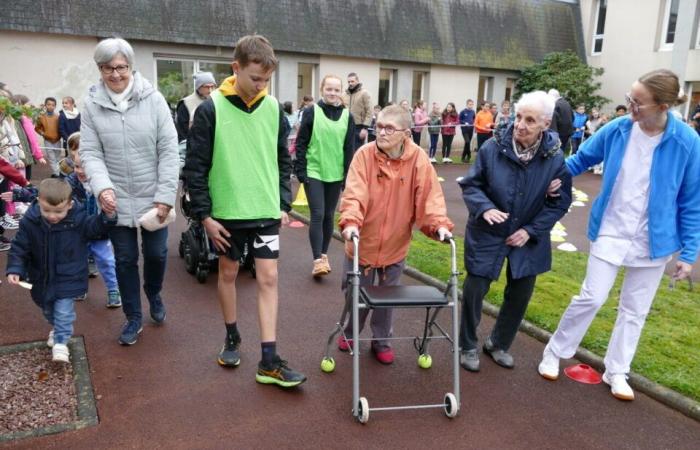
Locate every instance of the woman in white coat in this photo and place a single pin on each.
(128, 147)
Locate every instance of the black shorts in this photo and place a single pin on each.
(263, 242)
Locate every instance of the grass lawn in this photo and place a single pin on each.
(668, 351)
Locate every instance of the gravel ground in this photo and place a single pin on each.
(34, 391)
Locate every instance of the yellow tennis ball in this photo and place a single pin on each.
(328, 365)
(425, 361)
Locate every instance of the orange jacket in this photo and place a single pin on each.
(483, 122)
(383, 198)
(47, 126)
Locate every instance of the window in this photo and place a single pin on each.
(599, 27)
(669, 25)
(485, 89)
(419, 83)
(174, 76)
(386, 87)
(306, 81)
(510, 87)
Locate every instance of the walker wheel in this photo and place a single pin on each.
(451, 406)
(328, 364)
(363, 410)
(202, 275)
(425, 361)
(181, 248)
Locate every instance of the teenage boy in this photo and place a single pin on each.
(47, 127)
(237, 172)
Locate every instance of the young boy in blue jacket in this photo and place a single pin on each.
(580, 119)
(50, 252)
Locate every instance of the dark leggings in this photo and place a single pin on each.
(447, 145)
(416, 136)
(481, 138)
(323, 199)
(4, 187)
(467, 133)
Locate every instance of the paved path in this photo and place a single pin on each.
(168, 392)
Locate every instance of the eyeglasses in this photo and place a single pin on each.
(389, 130)
(633, 103)
(108, 70)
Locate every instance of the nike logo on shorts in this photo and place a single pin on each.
(270, 241)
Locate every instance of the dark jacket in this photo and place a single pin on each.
(306, 131)
(182, 121)
(200, 148)
(563, 119)
(54, 257)
(67, 126)
(500, 180)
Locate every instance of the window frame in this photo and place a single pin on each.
(597, 36)
(663, 45)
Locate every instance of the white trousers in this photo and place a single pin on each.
(54, 153)
(638, 290)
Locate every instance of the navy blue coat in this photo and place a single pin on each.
(67, 126)
(500, 180)
(53, 257)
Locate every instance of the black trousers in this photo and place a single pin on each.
(467, 134)
(447, 145)
(481, 138)
(516, 297)
(358, 142)
(323, 199)
(417, 136)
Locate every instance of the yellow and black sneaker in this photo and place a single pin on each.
(229, 356)
(278, 373)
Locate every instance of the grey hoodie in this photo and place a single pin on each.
(134, 153)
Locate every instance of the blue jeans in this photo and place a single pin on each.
(61, 315)
(104, 259)
(433, 145)
(126, 252)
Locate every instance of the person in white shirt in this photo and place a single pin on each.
(648, 209)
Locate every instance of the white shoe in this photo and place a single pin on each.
(8, 222)
(447, 160)
(618, 386)
(549, 367)
(433, 160)
(60, 353)
(49, 341)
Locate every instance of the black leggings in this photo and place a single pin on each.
(323, 199)
(481, 138)
(467, 133)
(447, 145)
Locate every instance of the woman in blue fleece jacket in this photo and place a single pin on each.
(648, 209)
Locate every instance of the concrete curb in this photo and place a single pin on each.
(668, 397)
(86, 408)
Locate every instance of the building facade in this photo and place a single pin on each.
(435, 50)
(628, 38)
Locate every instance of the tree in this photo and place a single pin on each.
(565, 72)
(173, 87)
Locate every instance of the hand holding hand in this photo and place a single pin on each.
(217, 233)
(108, 201)
(553, 189)
(518, 239)
(348, 232)
(493, 215)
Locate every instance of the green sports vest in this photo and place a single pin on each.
(244, 175)
(325, 157)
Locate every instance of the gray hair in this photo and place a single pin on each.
(538, 100)
(107, 49)
(554, 93)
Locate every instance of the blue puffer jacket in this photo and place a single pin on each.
(674, 191)
(54, 257)
(500, 180)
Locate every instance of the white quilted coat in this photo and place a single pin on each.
(134, 153)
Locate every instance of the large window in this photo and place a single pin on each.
(485, 89)
(386, 87)
(668, 34)
(419, 84)
(599, 29)
(174, 76)
(510, 88)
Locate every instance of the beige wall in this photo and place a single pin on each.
(630, 45)
(452, 84)
(42, 65)
(367, 70)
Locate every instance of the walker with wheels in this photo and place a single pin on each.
(428, 297)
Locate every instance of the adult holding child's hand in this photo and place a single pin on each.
(129, 152)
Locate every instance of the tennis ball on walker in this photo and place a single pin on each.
(328, 365)
(425, 361)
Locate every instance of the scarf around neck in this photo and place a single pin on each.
(71, 114)
(526, 154)
(121, 100)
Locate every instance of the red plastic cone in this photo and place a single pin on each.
(583, 373)
(296, 224)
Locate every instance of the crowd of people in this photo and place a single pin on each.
(121, 177)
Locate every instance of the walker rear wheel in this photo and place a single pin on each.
(363, 410)
(451, 406)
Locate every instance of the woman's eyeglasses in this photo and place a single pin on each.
(108, 70)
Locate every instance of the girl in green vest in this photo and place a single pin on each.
(324, 151)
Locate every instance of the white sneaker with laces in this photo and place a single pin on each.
(49, 341)
(549, 366)
(60, 353)
(618, 386)
(9, 223)
(446, 160)
(433, 160)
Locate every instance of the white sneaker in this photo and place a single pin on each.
(433, 160)
(447, 160)
(60, 353)
(549, 367)
(8, 222)
(49, 341)
(618, 386)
